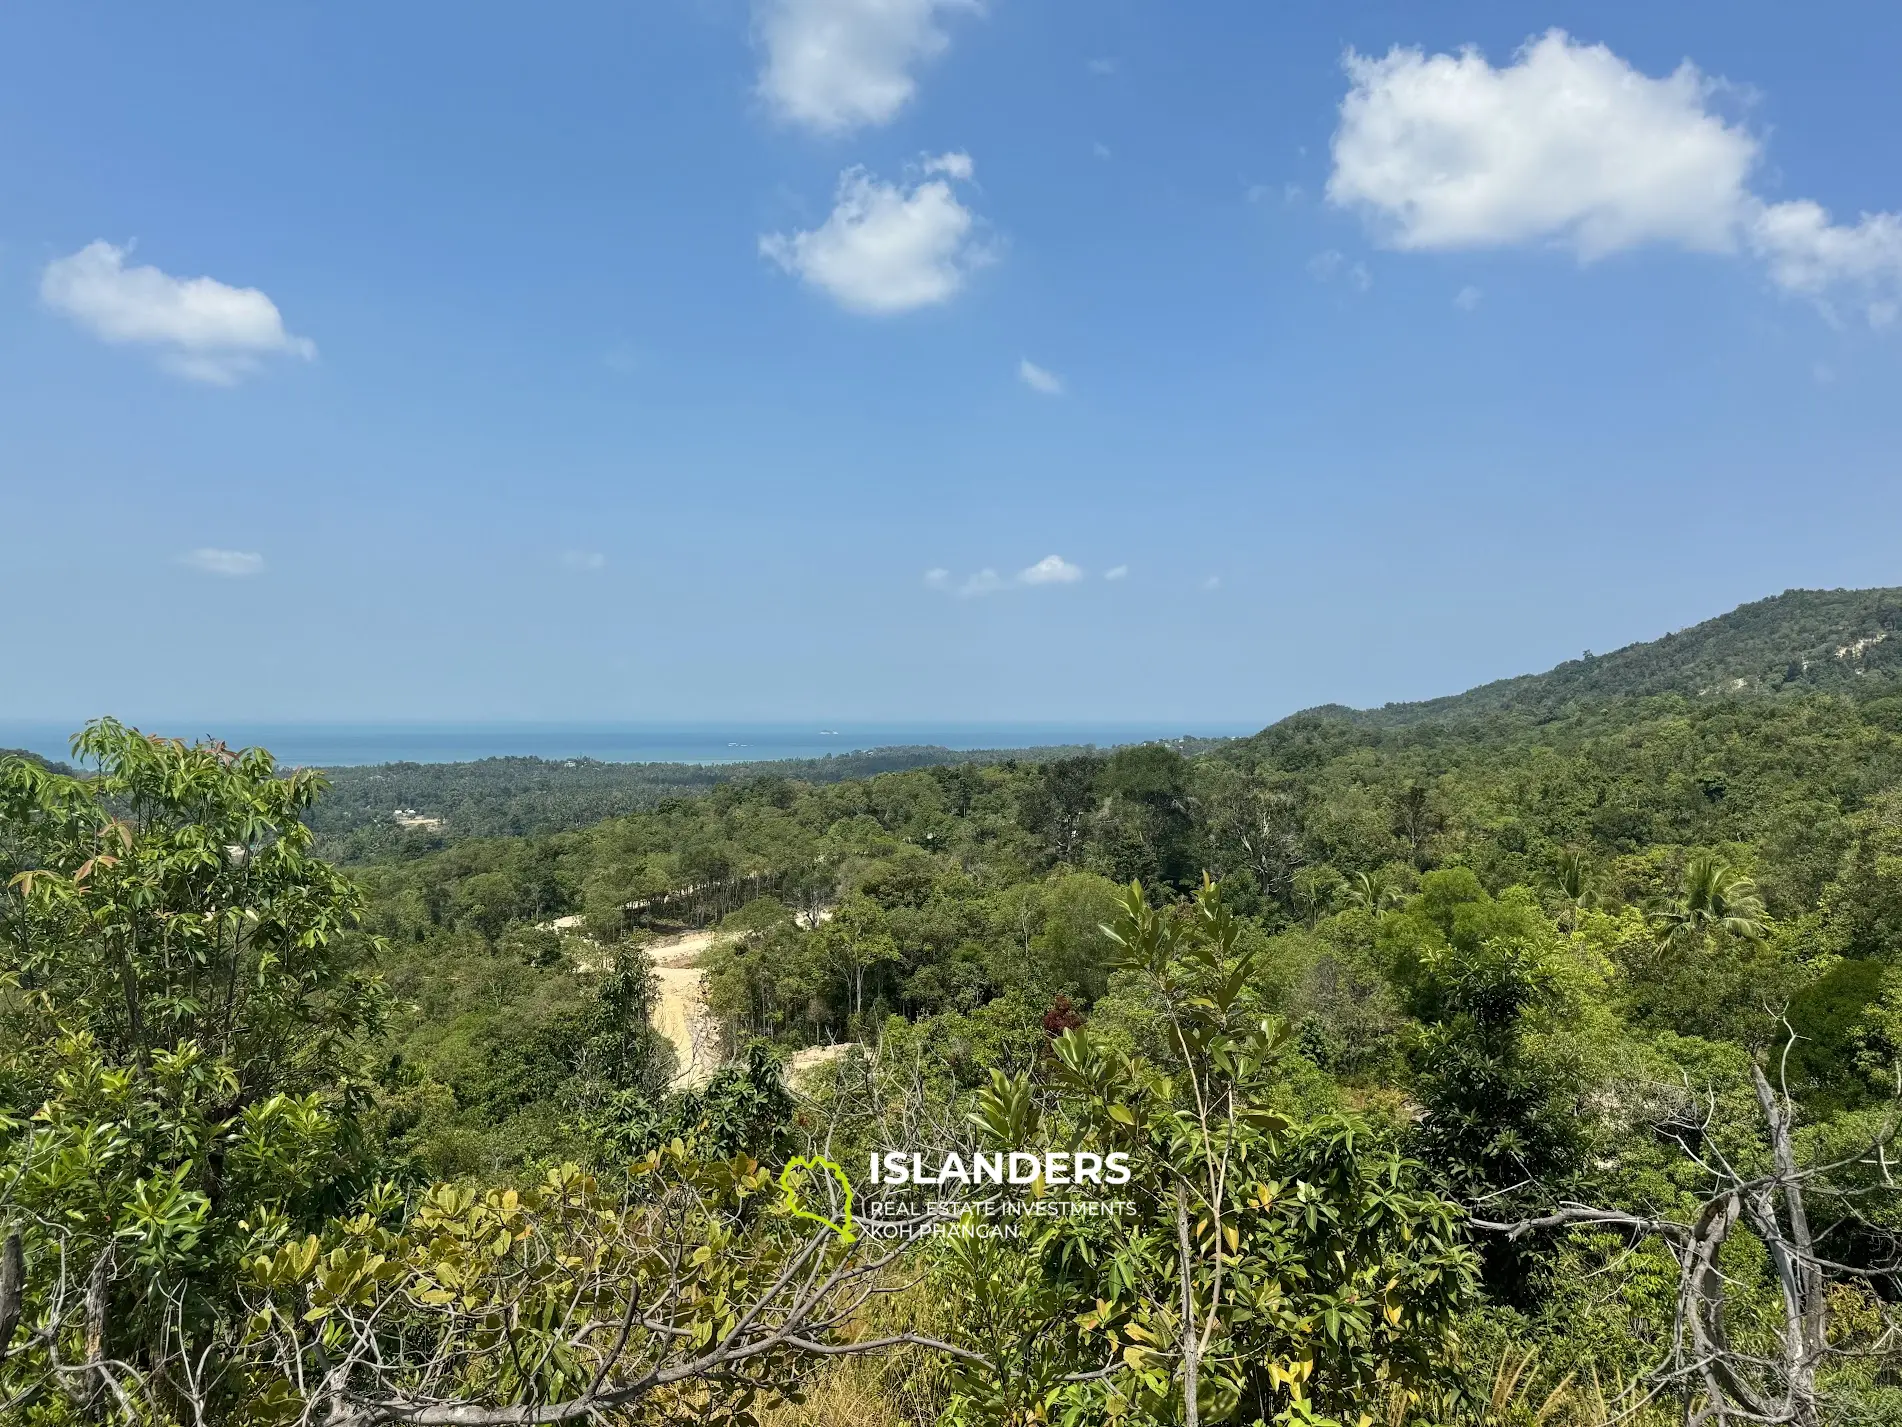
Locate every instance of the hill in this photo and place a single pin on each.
(515, 797)
(32, 757)
(1801, 641)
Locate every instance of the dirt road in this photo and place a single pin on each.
(681, 1013)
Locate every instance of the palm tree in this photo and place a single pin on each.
(1576, 880)
(1372, 892)
(1714, 897)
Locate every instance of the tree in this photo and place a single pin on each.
(1265, 825)
(1714, 897)
(1475, 970)
(182, 1006)
(1575, 879)
(1152, 828)
(1058, 803)
(1417, 822)
(854, 941)
(1280, 1269)
(1789, 1207)
(691, 1293)
(1372, 892)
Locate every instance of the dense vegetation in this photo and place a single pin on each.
(1801, 641)
(516, 797)
(1535, 1063)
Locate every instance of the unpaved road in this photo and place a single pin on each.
(681, 1013)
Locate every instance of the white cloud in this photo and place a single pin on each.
(952, 165)
(837, 65)
(888, 247)
(583, 560)
(1808, 254)
(231, 563)
(1568, 144)
(1116, 572)
(1051, 570)
(203, 328)
(1104, 66)
(1572, 146)
(1467, 298)
(1100, 149)
(1037, 379)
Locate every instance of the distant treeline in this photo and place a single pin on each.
(520, 797)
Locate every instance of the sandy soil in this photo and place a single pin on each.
(814, 1056)
(681, 1013)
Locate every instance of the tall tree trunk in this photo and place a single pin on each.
(12, 1289)
(1804, 1290)
(1191, 1344)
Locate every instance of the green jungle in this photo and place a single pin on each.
(1528, 1056)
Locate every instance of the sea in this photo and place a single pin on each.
(336, 745)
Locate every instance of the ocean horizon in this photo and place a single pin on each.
(336, 745)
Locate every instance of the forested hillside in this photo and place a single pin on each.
(1800, 641)
(1532, 1064)
(515, 797)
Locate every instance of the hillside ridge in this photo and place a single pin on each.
(1807, 641)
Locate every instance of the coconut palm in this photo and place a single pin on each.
(1714, 897)
(1372, 892)
(1576, 880)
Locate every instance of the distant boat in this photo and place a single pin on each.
(828, 733)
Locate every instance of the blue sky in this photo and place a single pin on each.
(821, 358)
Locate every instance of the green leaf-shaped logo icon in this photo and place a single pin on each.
(792, 1180)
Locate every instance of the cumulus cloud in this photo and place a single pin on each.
(204, 329)
(888, 247)
(234, 564)
(1037, 379)
(1807, 253)
(1567, 144)
(583, 560)
(1051, 570)
(952, 165)
(1467, 298)
(1116, 572)
(838, 65)
(1570, 145)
